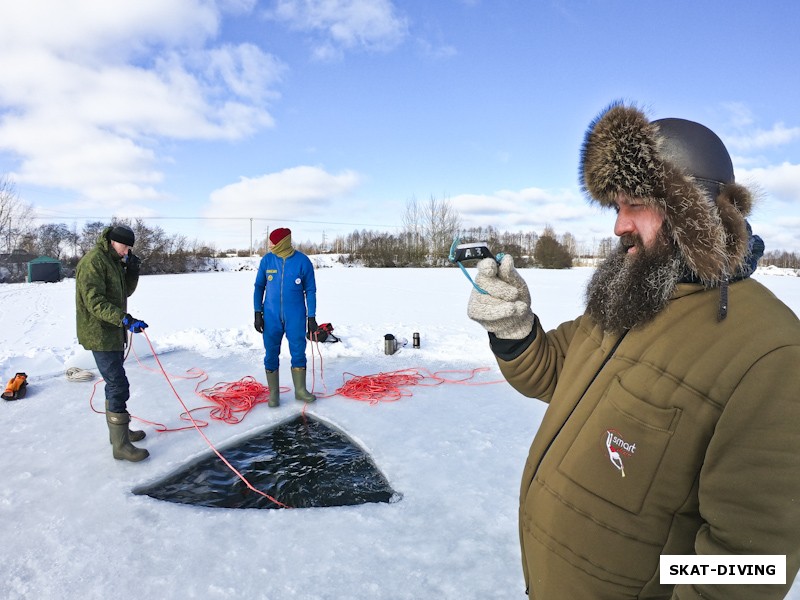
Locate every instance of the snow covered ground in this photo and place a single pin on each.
(71, 528)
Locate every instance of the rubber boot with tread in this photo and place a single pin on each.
(299, 381)
(134, 435)
(120, 440)
(273, 383)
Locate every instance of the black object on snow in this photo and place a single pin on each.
(301, 462)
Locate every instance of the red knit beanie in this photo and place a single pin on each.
(277, 235)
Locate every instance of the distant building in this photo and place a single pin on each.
(19, 266)
(44, 268)
(14, 266)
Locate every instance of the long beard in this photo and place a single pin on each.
(631, 289)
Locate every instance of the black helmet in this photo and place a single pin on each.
(697, 151)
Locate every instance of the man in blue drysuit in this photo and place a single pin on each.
(285, 303)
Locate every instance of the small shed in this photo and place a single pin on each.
(14, 266)
(44, 268)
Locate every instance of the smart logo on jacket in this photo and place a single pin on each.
(617, 447)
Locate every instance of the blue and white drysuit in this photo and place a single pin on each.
(286, 291)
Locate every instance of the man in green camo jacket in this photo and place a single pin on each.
(104, 279)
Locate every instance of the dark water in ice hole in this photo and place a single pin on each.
(300, 462)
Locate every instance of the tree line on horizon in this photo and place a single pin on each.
(428, 232)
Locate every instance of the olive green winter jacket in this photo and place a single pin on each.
(680, 437)
(102, 287)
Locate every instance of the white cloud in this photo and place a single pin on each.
(749, 137)
(298, 193)
(92, 89)
(438, 51)
(245, 70)
(526, 207)
(105, 29)
(532, 209)
(778, 234)
(781, 182)
(740, 114)
(778, 135)
(340, 25)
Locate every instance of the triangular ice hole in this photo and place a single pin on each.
(301, 462)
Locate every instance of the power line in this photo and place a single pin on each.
(270, 219)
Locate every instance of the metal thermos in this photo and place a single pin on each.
(389, 344)
(416, 340)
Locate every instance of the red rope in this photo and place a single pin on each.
(383, 387)
(229, 399)
(390, 387)
(200, 431)
(315, 351)
(230, 402)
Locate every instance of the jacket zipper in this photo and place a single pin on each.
(600, 368)
(280, 294)
(546, 450)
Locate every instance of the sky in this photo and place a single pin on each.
(72, 528)
(223, 120)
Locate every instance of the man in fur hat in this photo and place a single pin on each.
(285, 302)
(673, 400)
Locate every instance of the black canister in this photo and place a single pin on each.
(416, 340)
(389, 344)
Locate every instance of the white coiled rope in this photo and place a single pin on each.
(78, 374)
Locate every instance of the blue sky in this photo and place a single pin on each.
(329, 116)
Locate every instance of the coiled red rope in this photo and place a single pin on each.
(232, 401)
(393, 386)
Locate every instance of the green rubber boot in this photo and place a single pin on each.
(120, 440)
(273, 383)
(133, 435)
(299, 381)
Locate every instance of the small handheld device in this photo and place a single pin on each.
(471, 251)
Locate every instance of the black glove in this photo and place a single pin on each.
(133, 324)
(259, 322)
(312, 328)
(133, 263)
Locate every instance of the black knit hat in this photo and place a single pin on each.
(683, 169)
(122, 234)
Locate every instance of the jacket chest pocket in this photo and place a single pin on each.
(617, 453)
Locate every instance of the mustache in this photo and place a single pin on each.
(629, 240)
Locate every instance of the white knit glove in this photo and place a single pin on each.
(505, 310)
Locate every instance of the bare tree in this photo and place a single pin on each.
(413, 232)
(16, 216)
(53, 239)
(441, 223)
(570, 243)
(781, 258)
(606, 247)
(89, 234)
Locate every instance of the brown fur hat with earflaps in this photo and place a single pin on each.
(683, 169)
